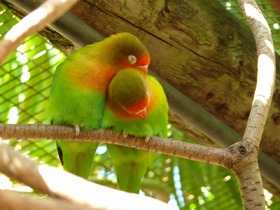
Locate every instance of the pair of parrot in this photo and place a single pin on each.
(105, 85)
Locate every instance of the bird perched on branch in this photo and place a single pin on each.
(79, 89)
(136, 104)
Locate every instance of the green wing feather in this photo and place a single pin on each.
(130, 165)
(69, 105)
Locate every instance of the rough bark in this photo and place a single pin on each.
(247, 169)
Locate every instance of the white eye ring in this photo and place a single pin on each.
(132, 59)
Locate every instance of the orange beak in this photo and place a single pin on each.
(144, 69)
(143, 63)
(142, 114)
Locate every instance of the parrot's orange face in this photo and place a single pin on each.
(131, 56)
(140, 62)
(129, 95)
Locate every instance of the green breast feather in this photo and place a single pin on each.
(69, 105)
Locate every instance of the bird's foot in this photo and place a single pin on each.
(77, 130)
(124, 134)
(147, 139)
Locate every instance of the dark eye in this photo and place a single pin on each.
(132, 59)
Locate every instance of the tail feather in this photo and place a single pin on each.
(130, 175)
(130, 166)
(77, 157)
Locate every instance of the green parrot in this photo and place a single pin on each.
(79, 89)
(136, 104)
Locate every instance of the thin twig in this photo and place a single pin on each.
(48, 12)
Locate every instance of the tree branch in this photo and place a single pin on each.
(48, 12)
(266, 71)
(61, 184)
(14, 201)
(165, 146)
(246, 166)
